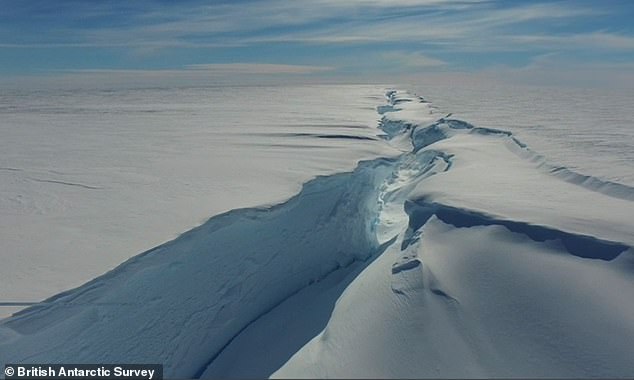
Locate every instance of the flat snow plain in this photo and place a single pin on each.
(91, 178)
(439, 249)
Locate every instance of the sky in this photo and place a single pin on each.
(194, 41)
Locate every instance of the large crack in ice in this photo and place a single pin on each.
(183, 302)
(480, 294)
(187, 302)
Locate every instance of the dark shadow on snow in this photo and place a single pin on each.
(587, 247)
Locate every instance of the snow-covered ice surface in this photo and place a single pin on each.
(589, 130)
(503, 269)
(91, 178)
(459, 252)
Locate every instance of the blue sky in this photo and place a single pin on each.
(356, 40)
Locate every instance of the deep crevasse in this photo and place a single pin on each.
(355, 276)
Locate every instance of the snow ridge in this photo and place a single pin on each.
(423, 135)
(397, 119)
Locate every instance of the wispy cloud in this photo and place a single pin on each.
(596, 40)
(328, 36)
(319, 21)
(480, 24)
(412, 59)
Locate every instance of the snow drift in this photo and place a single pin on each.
(465, 256)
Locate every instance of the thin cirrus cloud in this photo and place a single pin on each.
(312, 22)
(304, 37)
(598, 40)
(412, 59)
(459, 29)
(320, 21)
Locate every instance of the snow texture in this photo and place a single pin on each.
(89, 179)
(465, 255)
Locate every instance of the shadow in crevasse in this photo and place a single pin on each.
(268, 342)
